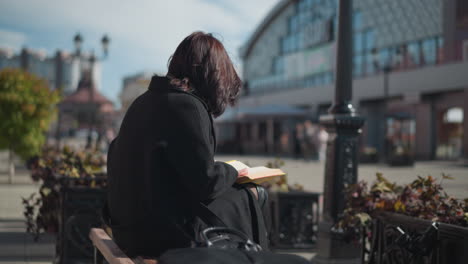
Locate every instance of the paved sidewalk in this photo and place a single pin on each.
(310, 174)
(16, 246)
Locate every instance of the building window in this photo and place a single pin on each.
(369, 40)
(319, 80)
(363, 45)
(293, 25)
(370, 63)
(357, 67)
(414, 53)
(293, 42)
(328, 78)
(357, 20)
(429, 51)
(440, 49)
(358, 43)
(302, 5)
(284, 45)
(384, 58)
(278, 66)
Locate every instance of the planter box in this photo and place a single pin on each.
(451, 247)
(80, 211)
(368, 158)
(401, 160)
(295, 217)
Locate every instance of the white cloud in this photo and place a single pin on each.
(12, 40)
(144, 33)
(155, 27)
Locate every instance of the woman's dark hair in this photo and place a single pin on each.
(201, 65)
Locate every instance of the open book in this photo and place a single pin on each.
(256, 174)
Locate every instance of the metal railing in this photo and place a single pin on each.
(395, 238)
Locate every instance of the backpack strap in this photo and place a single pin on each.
(208, 216)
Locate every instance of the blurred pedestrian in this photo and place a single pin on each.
(310, 132)
(284, 143)
(299, 141)
(323, 139)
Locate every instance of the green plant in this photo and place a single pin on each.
(58, 169)
(423, 198)
(27, 106)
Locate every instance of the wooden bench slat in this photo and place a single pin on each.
(111, 251)
(140, 260)
(108, 248)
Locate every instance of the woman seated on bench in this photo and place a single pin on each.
(161, 164)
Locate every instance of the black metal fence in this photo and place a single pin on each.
(295, 218)
(81, 206)
(449, 245)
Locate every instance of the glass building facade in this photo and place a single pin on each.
(409, 59)
(397, 34)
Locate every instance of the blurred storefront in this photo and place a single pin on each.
(410, 60)
(266, 129)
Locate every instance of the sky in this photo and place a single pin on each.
(144, 33)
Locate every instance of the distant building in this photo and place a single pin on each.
(133, 86)
(410, 74)
(86, 109)
(61, 70)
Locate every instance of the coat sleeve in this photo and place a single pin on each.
(190, 152)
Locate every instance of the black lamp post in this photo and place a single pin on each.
(343, 125)
(78, 40)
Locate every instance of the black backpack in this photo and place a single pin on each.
(220, 244)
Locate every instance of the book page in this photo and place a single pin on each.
(238, 165)
(259, 172)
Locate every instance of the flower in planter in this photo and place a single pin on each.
(423, 198)
(54, 169)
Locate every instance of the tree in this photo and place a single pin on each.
(27, 106)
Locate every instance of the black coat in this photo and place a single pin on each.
(161, 161)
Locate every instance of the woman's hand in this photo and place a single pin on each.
(243, 172)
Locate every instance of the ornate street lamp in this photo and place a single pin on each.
(105, 41)
(105, 44)
(343, 125)
(78, 40)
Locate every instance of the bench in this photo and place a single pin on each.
(105, 248)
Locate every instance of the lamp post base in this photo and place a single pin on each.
(334, 249)
(340, 171)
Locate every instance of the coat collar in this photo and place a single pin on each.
(162, 84)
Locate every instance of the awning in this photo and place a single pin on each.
(264, 111)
